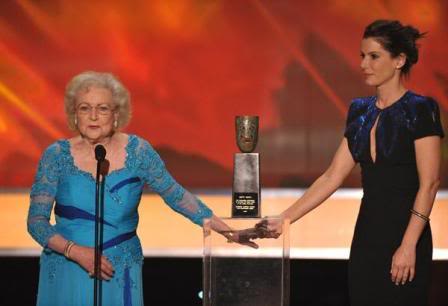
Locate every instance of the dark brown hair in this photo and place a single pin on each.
(396, 39)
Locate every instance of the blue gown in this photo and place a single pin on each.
(71, 191)
(390, 185)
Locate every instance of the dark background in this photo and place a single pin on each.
(177, 281)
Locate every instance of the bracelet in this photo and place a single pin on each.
(422, 216)
(230, 235)
(67, 248)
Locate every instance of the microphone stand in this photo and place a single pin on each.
(100, 154)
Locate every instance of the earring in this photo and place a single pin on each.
(116, 123)
(76, 121)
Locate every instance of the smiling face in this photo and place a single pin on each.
(95, 113)
(378, 65)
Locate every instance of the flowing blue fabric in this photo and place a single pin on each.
(64, 282)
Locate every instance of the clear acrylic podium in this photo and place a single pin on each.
(238, 275)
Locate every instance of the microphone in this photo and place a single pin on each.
(100, 156)
(100, 153)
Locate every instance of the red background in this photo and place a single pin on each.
(192, 66)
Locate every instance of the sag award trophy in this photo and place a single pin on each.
(236, 274)
(246, 170)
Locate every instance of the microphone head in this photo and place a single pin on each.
(100, 153)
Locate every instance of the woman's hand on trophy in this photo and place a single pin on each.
(243, 237)
(270, 227)
(85, 256)
(219, 226)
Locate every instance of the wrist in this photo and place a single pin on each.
(68, 246)
(230, 235)
(409, 243)
(284, 215)
(73, 252)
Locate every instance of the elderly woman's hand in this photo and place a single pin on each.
(85, 257)
(242, 237)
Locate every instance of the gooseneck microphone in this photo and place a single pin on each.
(100, 156)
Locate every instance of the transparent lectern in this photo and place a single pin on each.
(238, 275)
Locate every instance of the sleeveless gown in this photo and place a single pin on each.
(390, 184)
(71, 191)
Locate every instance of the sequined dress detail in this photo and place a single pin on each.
(60, 185)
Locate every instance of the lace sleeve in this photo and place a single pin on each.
(158, 178)
(42, 196)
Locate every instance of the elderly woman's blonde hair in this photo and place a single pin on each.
(88, 79)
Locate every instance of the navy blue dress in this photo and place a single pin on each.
(390, 184)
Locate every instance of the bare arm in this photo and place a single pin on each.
(57, 243)
(325, 185)
(427, 152)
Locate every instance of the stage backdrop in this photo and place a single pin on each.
(192, 66)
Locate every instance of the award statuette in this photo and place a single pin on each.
(246, 170)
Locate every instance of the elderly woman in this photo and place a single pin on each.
(98, 106)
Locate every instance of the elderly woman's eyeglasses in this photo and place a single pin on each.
(101, 109)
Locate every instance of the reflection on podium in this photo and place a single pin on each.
(237, 275)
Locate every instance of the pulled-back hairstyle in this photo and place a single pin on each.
(397, 39)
